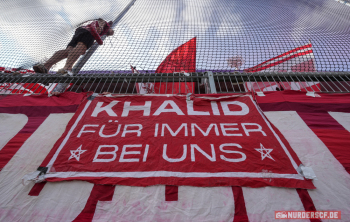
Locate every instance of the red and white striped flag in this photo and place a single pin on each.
(300, 59)
(19, 88)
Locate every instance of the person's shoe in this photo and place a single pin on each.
(63, 72)
(40, 68)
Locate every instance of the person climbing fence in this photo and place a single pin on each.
(84, 37)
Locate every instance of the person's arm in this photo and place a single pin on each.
(101, 23)
(95, 34)
(107, 29)
(110, 32)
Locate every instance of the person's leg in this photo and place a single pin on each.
(57, 56)
(74, 54)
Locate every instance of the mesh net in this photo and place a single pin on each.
(250, 35)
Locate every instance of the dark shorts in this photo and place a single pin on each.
(82, 35)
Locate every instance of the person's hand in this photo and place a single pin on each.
(110, 32)
(99, 30)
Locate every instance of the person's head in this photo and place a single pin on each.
(110, 32)
(100, 20)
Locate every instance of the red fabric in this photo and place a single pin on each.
(98, 193)
(284, 63)
(22, 88)
(182, 59)
(92, 27)
(36, 189)
(307, 202)
(279, 62)
(37, 108)
(332, 134)
(11, 148)
(149, 156)
(240, 209)
(284, 54)
(307, 66)
(320, 121)
(314, 112)
(53, 150)
(64, 99)
(32, 87)
(342, 100)
(174, 88)
(287, 56)
(171, 193)
(280, 86)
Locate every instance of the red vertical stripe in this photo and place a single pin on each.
(36, 189)
(307, 202)
(331, 133)
(99, 192)
(11, 148)
(174, 88)
(171, 193)
(240, 210)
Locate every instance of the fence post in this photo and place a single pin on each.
(211, 82)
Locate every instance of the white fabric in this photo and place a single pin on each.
(261, 203)
(10, 125)
(148, 204)
(342, 118)
(57, 201)
(333, 185)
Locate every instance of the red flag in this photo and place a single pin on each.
(19, 88)
(182, 59)
(300, 59)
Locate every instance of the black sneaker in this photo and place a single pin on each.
(40, 68)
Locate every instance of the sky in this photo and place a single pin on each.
(31, 31)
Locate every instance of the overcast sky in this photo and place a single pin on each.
(256, 30)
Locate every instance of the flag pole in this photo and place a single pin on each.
(77, 67)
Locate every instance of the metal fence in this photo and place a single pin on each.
(173, 83)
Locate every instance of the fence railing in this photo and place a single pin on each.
(174, 83)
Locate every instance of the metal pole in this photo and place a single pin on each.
(211, 82)
(93, 48)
